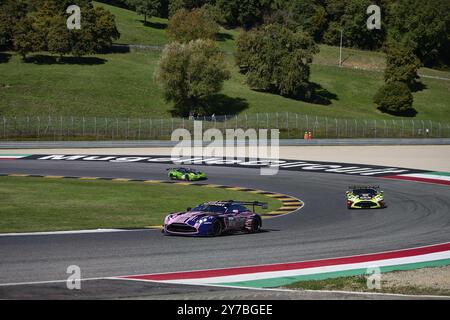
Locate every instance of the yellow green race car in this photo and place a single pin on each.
(365, 197)
(185, 174)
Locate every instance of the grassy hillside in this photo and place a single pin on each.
(121, 85)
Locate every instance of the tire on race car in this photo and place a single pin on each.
(255, 225)
(217, 228)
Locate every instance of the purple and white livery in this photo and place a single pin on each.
(215, 218)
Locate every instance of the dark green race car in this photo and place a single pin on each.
(185, 174)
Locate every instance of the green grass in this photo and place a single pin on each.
(121, 84)
(39, 204)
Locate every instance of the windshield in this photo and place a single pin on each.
(370, 192)
(210, 208)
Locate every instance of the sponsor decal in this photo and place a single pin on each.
(292, 165)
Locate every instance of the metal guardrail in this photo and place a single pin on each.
(169, 144)
(290, 125)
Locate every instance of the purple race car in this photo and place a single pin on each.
(215, 218)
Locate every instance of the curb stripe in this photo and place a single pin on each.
(415, 179)
(281, 281)
(294, 265)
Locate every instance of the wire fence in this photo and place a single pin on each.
(290, 125)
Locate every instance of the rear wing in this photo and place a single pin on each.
(254, 204)
(363, 187)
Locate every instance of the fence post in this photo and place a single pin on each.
(150, 128)
(106, 127)
(139, 129)
(403, 129)
(83, 127)
(337, 130)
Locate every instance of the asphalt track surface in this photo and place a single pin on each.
(418, 214)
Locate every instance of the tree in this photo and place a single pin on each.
(59, 39)
(350, 16)
(303, 15)
(394, 97)
(401, 65)
(147, 8)
(244, 13)
(186, 25)
(25, 37)
(190, 73)
(11, 11)
(105, 29)
(422, 25)
(175, 5)
(275, 58)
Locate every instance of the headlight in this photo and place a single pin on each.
(203, 220)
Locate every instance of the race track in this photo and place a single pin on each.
(418, 214)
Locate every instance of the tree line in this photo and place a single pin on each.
(28, 26)
(421, 25)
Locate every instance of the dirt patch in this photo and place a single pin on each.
(424, 279)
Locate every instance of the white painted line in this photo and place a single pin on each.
(45, 282)
(427, 176)
(18, 234)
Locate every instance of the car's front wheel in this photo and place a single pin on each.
(256, 225)
(217, 228)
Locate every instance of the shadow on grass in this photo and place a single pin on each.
(418, 86)
(221, 104)
(119, 48)
(410, 113)
(5, 57)
(218, 105)
(154, 25)
(46, 59)
(314, 94)
(224, 36)
(320, 95)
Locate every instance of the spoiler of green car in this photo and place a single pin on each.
(364, 187)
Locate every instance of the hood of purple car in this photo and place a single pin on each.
(189, 217)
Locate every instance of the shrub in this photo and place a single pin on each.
(394, 97)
